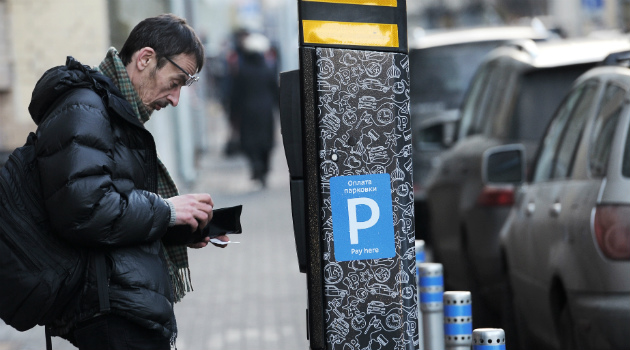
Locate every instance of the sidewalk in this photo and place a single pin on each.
(250, 295)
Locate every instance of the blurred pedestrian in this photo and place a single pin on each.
(108, 193)
(233, 61)
(253, 102)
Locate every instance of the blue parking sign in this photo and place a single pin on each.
(362, 220)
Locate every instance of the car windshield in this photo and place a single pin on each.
(440, 75)
(540, 94)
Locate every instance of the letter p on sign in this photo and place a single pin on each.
(362, 218)
(355, 225)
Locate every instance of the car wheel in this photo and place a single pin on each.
(525, 339)
(566, 329)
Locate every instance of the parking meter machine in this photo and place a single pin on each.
(347, 138)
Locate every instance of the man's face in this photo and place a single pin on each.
(158, 88)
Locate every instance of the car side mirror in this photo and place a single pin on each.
(437, 136)
(504, 165)
(448, 134)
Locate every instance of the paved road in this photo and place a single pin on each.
(248, 296)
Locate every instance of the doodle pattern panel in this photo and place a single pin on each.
(367, 217)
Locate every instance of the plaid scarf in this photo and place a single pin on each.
(176, 256)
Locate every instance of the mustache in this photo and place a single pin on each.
(162, 104)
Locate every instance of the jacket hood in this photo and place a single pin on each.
(59, 80)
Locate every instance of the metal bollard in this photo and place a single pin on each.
(488, 339)
(457, 320)
(420, 258)
(420, 254)
(431, 304)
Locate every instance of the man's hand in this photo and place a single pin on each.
(207, 240)
(194, 210)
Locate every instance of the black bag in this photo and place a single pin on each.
(40, 275)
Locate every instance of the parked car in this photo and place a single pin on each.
(567, 239)
(510, 100)
(442, 63)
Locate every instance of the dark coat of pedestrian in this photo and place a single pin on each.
(253, 100)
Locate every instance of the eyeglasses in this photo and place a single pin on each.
(191, 78)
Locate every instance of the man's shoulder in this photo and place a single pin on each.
(71, 83)
(83, 96)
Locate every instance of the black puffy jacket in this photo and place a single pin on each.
(98, 167)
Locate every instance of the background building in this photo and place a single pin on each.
(34, 36)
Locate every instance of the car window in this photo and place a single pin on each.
(604, 128)
(541, 92)
(501, 88)
(572, 135)
(441, 74)
(487, 96)
(546, 162)
(472, 102)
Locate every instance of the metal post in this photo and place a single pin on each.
(488, 339)
(457, 320)
(183, 122)
(432, 305)
(420, 254)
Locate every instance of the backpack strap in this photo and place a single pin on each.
(101, 281)
(48, 338)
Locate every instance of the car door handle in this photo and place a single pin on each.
(555, 209)
(530, 208)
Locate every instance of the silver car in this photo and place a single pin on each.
(566, 241)
(511, 100)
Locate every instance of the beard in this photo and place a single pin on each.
(150, 104)
(145, 89)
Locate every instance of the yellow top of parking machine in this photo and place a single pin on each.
(379, 25)
(361, 2)
(349, 33)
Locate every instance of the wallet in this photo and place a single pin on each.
(224, 221)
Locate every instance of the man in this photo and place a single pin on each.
(107, 192)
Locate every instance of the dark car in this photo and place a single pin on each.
(567, 239)
(511, 100)
(442, 63)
